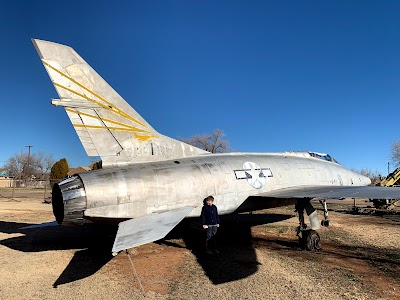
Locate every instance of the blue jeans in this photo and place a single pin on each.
(211, 239)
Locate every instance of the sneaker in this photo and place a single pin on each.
(216, 251)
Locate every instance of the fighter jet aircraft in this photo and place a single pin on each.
(150, 182)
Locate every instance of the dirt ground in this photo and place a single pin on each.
(259, 259)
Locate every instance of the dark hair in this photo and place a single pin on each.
(208, 198)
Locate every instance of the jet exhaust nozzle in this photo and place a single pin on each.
(69, 201)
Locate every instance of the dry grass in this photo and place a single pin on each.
(259, 259)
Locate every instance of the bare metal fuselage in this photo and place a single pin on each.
(150, 182)
(137, 190)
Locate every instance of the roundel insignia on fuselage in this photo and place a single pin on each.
(254, 174)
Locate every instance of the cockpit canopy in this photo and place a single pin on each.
(323, 156)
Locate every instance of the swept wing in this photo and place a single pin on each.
(335, 192)
(136, 232)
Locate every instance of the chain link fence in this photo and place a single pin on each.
(23, 189)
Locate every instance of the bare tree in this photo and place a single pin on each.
(16, 165)
(211, 142)
(39, 165)
(396, 153)
(42, 164)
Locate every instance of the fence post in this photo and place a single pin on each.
(12, 196)
(45, 190)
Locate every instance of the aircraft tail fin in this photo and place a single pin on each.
(105, 123)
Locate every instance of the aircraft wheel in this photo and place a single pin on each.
(325, 223)
(311, 240)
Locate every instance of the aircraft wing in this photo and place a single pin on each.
(139, 231)
(336, 192)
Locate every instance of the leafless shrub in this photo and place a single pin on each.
(37, 165)
(374, 176)
(211, 142)
(396, 153)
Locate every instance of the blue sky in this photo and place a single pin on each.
(273, 75)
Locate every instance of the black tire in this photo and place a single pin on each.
(325, 223)
(312, 241)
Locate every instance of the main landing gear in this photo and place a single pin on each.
(309, 238)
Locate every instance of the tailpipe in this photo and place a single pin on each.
(69, 201)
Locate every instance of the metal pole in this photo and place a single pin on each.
(29, 154)
(20, 168)
(136, 274)
(12, 196)
(388, 168)
(45, 190)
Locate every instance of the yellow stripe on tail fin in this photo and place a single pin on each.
(105, 123)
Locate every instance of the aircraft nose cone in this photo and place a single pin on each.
(366, 180)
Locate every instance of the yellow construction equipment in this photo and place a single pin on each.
(390, 181)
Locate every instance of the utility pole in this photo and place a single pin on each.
(29, 154)
(388, 168)
(20, 167)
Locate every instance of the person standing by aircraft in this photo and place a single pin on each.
(210, 221)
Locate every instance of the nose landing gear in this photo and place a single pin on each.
(325, 222)
(309, 238)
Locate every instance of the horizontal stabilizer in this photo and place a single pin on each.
(136, 232)
(336, 192)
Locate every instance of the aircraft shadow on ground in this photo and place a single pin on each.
(237, 258)
(95, 241)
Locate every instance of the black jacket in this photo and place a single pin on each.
(209, 215)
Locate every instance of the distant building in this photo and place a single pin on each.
(79, 169)
(3, 173)
(5, 180)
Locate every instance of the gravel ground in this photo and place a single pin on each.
(259, 259)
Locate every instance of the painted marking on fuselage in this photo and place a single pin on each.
(254, 174)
